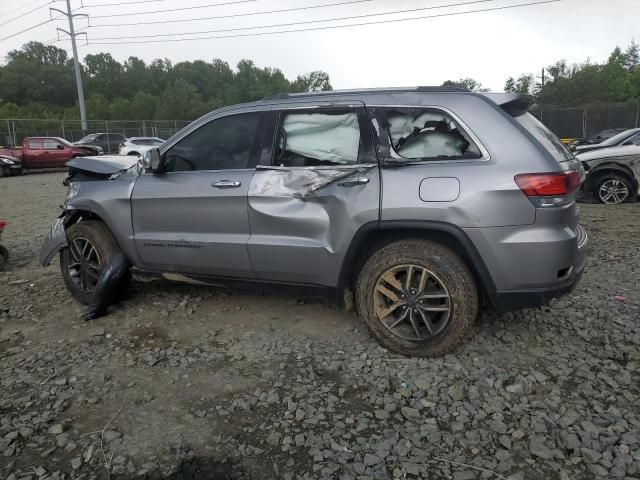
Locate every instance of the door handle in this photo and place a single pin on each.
(226, 184)
(352, 182)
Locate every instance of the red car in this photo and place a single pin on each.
(48, 152)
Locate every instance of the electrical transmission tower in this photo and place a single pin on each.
(76, 61)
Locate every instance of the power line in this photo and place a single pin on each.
(26, 6)
(351, 17)
(233, 2)
(25, 13)
(235, 15)
(25, 30)
(330, 27)
(122, 3)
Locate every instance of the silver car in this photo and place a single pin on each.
(420, 204)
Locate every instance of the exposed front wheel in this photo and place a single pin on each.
(417, 297)
(613, 189)
(90, 248)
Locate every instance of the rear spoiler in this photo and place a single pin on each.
(515, 104)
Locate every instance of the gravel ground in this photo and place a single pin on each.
(198, 382)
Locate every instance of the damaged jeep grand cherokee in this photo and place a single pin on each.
(424, 202)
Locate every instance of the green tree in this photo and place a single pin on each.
(467, 83)
(524, 84)
(316, 81)
(38, 80)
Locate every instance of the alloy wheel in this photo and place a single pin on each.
(613, 192)
(412, 302)
(83, 264)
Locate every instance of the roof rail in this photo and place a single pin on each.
(431, 89)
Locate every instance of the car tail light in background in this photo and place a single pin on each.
(549, 189)
(120, 147)
(2, 225)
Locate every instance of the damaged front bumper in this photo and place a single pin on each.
(54, 241)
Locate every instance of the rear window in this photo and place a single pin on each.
(548, 140)
(49, 144)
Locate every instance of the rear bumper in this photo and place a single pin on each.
(507, 300)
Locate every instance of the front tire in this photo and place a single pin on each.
(613, 189)
(417, 297)
(91, 246)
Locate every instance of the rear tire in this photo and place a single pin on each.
(93, 246)
(613, 189)
(438, 312)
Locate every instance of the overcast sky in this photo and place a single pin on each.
(488, 46)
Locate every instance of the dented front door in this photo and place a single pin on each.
(306, 206)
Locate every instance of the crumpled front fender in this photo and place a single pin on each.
(55, 240)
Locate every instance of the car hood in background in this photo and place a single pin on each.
(103, 165)
(609, 152)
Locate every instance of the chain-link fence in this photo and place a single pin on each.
(15, 130)
(564, 122)
(589, 120)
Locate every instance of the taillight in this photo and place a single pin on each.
(121, 146)
(549, 189)
(2, 225)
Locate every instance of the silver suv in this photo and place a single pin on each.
(418, 203)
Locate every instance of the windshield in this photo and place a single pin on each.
(619, 138)
(66, 143)
(89, 138)
(545, 137)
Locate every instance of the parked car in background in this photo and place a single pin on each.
(10, 166)
(289, 189)
(109, 142)
(48, 152)
(139, 145)
(626, 137)
(613, 174)
(597, 138)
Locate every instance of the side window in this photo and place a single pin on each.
(223, 144)
(422, 134)
(48, 144)
(635, 140)
(35, 145)
(318, 137)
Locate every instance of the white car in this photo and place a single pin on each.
(139, 145)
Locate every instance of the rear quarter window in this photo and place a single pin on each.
(544, 136)
(417, 133)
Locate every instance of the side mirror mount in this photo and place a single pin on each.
(152, 160)
(60, 147)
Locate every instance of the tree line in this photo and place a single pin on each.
(564, 85)
(37, 81)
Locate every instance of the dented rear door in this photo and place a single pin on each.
(315, 187)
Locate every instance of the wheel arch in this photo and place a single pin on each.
(596, 173)
(375, 235)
